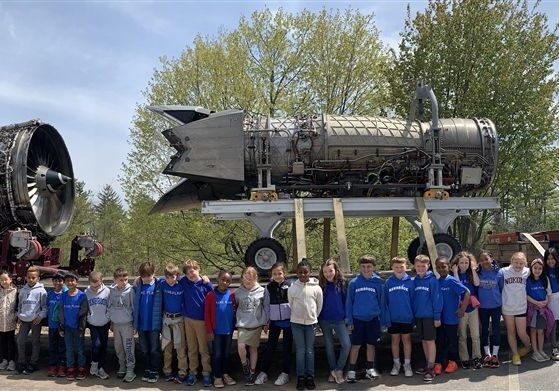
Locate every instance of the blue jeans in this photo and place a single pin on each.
(273, 337)
(221, 351)
(303, 336)
(151, 349)
(57, 349)
(99, 341)
(75, 343)
(485, 314)
(328, 329)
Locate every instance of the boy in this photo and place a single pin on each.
(363, 305)
(98, 320)
(57, 347)
(31, 310)
(397, 314)
(72, 317)
(195, 291)
(427, 307)
(453, 309)
(121, 310)
(147, 319)
(172, 331)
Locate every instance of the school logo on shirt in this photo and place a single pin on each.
(514, 280)
(365, 289)
(422, 288)
(398, 288)
(488, 284)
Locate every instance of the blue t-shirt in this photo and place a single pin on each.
(146, 305)
(224, 312)
(490, 288)
(473, 289)
(172, 297)
(451, 291)
(71, 307)
(535, 289)
(552, 274)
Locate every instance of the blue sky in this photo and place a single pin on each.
(82, 65)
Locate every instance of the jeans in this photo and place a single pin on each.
(328, 329)
(221, 349)
(149, 345)
(495, 315)
(273, 337)
(24, 328)
(75, 343)
(303, 336)
(57, 349)
(447, 343)
(7, 345)
(99, 341)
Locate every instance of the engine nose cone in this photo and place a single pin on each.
(51, 180)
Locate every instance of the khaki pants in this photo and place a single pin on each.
(469, 320)
(181, 354)
(197, 343)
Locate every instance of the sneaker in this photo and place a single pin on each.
(101, 374)
(228, 380)
(429, 375)
(191, 379)
(153, 377)
(351, 377)
(179, 379)
(421, 371)
(536, 356)
(70, 374)
(516, 359)
(206, 381)
(371, 374)
(544, 355)
(487, 361)
(466, 364)
(309, 383)
(523, 351)
(282, 379)
(332, 377)
(218, 383)
(261, 378)
(11, 365)
(555, 354)
(395, 369)
(250, 379)
(121, 372)
(476, 363)
(246, 369)
(51, 372)
(81, 374)
(451, 367)
(169, 377)
(495, 362)
(408, 372)
(129, 376)
(300, 383)
(339, 376)
(145, 376)
(438, 368)
(94, 368)
(20, 367)
(4, 365)
(29, 369)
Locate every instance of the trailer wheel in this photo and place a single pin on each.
(413, 249)
(447, 246)
(263, 253)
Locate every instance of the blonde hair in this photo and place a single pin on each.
(399, 260)
(250, 270)
(519, 255)
(95, 275)
(171, 270)
(190, 264)
(421, 258)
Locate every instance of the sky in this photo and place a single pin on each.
(82, 65)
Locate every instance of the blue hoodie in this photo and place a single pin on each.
(333, 308)
(397, 303)
(363, 298)
(490, 288)
(427, 300)
(451, 292)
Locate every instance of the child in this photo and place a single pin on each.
(72, 318)
(539, 317)
(551, 269)
(219, 318)
(427, 307)
(305, 300)
(453, 309)
(98, 320)
(464, 270)
(172, 330)
(332, 318)
(276, 305)
(121, 314)
(397, 314)
(57, 346)
(8, 305)
(515, 305)
(490, 301)
(251, 317)
(363, 305)
(32, 309)
(195, 291)
(147, 319)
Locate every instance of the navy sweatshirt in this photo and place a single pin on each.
(333, 307)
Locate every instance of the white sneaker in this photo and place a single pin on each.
(408, 372)
(536, 356)
(339, 376)
(12, 365)
(282, 379)
(544, 355)
(555, 354)
(261, 378)
(4, 365)
(351, 377)
(395, 369)
(102, 374)
(129, 377)
(94, 368)
(371, 374)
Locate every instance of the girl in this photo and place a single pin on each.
(278, 312)
(551, 269)
(490, 301)
(305, 299)
(332, 318)
(251, 317)
(515, 305)
(8, 305)
(539, 316)
(464, 270)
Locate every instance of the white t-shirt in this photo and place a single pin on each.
(514, 291)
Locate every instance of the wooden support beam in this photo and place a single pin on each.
(427, 232)
(326, 238)
(300, 230)
(395, 236)
(343, 251)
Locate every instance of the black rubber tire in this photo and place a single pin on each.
(448, 243)
(263, 253)
(413, 249)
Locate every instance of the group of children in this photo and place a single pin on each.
(188, 315)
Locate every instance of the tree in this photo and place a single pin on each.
(495, 60)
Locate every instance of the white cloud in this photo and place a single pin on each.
(143, 16)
